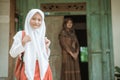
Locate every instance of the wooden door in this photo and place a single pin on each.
(53, 27)
(99, 33)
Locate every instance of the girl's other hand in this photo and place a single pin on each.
(47, 42)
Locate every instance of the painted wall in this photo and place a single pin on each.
(116, 30)
(4, 37)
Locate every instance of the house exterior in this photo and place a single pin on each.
(101, 26)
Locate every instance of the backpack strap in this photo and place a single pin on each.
(22, 54)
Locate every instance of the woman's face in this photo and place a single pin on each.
(36, 21)
(69, 24)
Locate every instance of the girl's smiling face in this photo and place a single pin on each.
(36, 21)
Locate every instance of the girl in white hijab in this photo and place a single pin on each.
(35, 47)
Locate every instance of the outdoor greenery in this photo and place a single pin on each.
(84, 54)
(117, 69)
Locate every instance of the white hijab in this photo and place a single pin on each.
(36, 47)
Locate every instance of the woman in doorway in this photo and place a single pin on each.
(35, 46)
(70, 51)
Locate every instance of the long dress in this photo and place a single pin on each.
(70, 66)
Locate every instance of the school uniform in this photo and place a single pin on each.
(36, 52)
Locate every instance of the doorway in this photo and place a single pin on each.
(81, 33)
